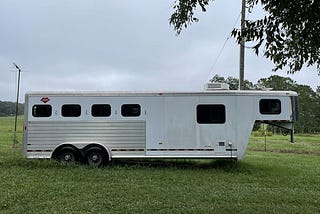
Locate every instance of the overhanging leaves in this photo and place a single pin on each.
(184, 13)
(288, 35)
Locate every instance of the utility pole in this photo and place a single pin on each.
(242, 46)
(15, 141)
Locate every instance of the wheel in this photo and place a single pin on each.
(96, 157)
(68, 155)
(285, 132)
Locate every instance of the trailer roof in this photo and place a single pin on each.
(160, 93)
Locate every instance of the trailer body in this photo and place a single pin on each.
(205, 124)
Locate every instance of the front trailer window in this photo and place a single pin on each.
(270, 106)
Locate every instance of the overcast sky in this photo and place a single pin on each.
(121, 45)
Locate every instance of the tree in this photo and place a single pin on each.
(232, 82)
(9, 108)
(277, 83)
(289, 32)
(309, 110)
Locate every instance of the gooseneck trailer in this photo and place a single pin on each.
(99, 126)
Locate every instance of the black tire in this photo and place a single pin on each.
(96, 157)
(285, 132)
(68, 155)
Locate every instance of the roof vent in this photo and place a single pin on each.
(210, 86)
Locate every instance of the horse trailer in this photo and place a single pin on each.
(96, 127)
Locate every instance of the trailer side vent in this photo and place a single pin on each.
(221, 144)
(216, 86)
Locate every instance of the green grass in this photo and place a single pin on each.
(303, 144)
(7, 130)
(263, 182)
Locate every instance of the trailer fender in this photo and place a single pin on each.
(70, 150)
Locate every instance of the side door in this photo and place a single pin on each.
(155, 120)
(212, 123)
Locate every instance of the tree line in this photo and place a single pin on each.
(308, 99)
(9, 108)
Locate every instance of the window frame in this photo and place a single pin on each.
(268, 106)
(108, 110)
(209, 108)
(130, 114)
(70, 115)
(42, 115)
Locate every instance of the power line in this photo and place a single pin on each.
(222, 48)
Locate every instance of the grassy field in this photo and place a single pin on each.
(303, 144)
(285, 179)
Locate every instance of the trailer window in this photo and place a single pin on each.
(211, 114)
(101, 110)
(71, 110)
(270, 106)
(41, 110)
(130, 110)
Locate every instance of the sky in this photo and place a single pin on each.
(125, 45)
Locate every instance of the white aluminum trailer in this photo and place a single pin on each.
(99, 126)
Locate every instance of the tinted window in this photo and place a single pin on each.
(71, 110)
(130, 110)
(210, 114)
(41, 110)
(100, 110)
(270, 106)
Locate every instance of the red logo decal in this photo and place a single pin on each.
(45, 99)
